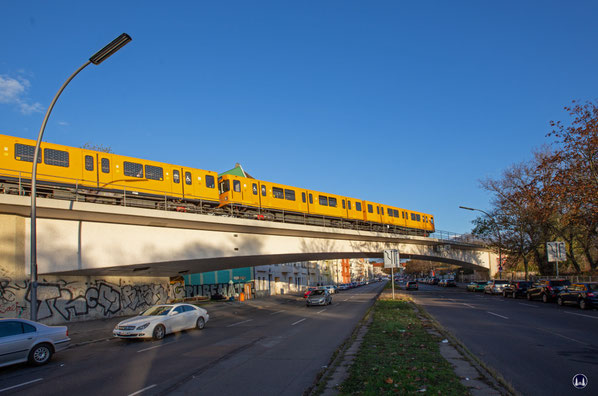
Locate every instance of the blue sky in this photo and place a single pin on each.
(403, 103)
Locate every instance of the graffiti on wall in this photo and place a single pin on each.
(63, 300)
(224, 289)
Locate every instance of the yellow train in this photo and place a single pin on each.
(69, 172)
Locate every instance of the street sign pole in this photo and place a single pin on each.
(391, 260)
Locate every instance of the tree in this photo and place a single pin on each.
(97, 147)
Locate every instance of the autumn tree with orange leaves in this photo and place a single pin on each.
(552, 197)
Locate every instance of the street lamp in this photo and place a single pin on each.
(96, 59)
(497, 233)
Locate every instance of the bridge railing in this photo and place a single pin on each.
(19, 183)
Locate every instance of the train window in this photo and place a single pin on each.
(370, 208)
(413, 216)
(418, 218)
(105, 165)
(277, 192)
(154, 172)
(323, 200)
(176, 176)
(210, 181)
(289, 195)
(389, 211)
(431, 220)
(358, 206)
(188, 178)
(332, 202)
(88, 163)
(24, 152)
(344, 204)
(254, 188)
(349, 205)
(225, 186)
(378, 210)
(264, 191)
(133, 169)
(236, 185)
(56, 157)
(311, 199)
(303, 197)
(395, 212)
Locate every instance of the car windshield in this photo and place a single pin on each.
(500, 282)
(317, 292)
(482, 283)
(157, 310)
(592, 286)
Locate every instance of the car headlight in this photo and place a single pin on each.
(143, 326)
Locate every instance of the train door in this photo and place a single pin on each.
(236, 191)
(103, 170)
(90, 171)
(177, 185)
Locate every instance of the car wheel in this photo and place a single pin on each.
(514, 295)
(544, 298)
(559, 301)
(583, 304)
(159, 332)
(40, 354)
(201, 323)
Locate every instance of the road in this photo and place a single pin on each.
(536, 347)
(263, 347)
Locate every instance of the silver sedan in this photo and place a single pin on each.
(23, 340)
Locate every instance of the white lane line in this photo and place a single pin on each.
(529, 305)
(470, 306)
(142, 390)
(23, 384)
(299, 321)
(345, 299)
(154, 347)
(500, 316)
(277, 312)
(587, 316)
(321, 310)
(238, 323)
(565, 337)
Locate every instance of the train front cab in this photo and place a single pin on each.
(238, 190)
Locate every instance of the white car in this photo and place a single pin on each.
(23, 340)
(159, 320)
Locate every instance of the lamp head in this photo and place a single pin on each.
(110, 49)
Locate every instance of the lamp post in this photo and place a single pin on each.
(497, 233)
(96, 59)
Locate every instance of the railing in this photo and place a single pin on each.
(19, 184)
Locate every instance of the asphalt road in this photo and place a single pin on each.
(263, 347)
(537, 347)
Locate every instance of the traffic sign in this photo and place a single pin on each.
(556, 251)
(391, 258)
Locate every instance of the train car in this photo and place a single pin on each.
(66, 166)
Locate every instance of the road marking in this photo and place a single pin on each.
(299, 321)
(500, 316)
(565, 337)
(142, 390)
(238, 323)
(587, 316)
(470, 306)
(277, 312)
(23, 384)
(321, 310)
(154, 347)
(529, 305)
(345, 299)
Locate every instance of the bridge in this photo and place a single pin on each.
(88, 239)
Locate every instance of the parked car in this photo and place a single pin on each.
(450, 283)
(477, 286)
(547, 290)
(23, 340)
(160, 320)
(343, 286)
(495, 286)
(319, 297)
(330, 288)
(411, 285)
(308, 291)
(583, 294)
(516, 288)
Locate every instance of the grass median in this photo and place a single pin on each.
(399, 356)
